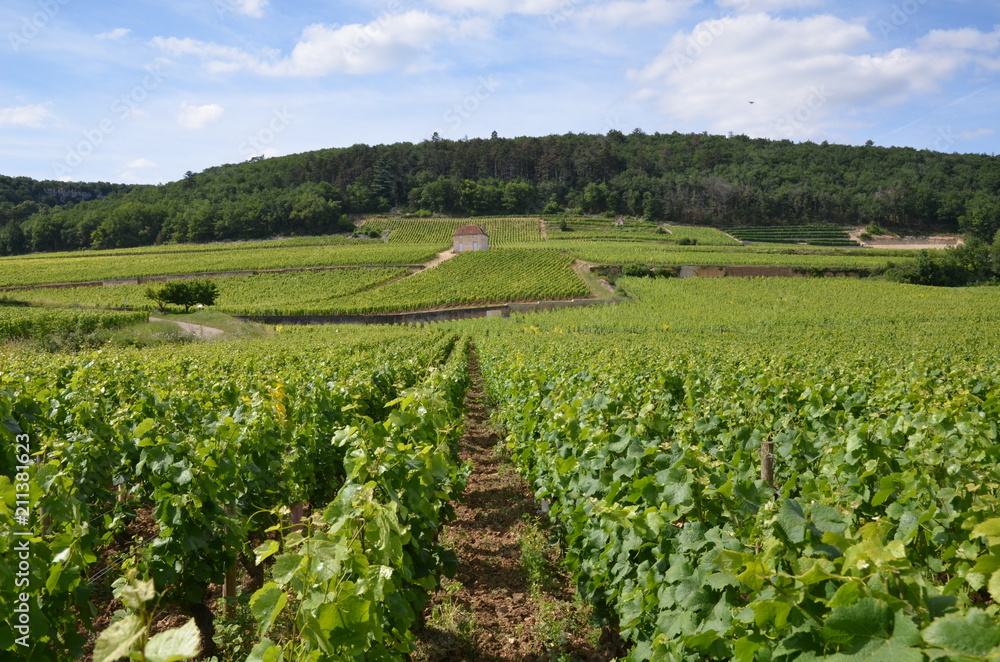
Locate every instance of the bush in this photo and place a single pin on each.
(636, 271)
(368, 233)
(185, 293)
(424, 213)
(552, 208)
(665, 272)
(688, 241)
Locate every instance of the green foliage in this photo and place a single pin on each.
(644, 425)
(636, 271)
(206, 258)
(20, 322)
(982, 217)
(693, 179)
(291, 293)
(207, 443)
(186, 293)
(970, 264)
(129, 635)
(364, 570)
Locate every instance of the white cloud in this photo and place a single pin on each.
(805, 77)
(966, 39)
(218, 59)
(140, 164)
(978, 133)
(197, 117)
(768, 5)
(31, 117)
(636, 13)
(392, 41)
(504, 7)
(252, 8)
(115, 34)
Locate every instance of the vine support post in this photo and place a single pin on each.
(767, 461)
(297, 511)
(229, 592)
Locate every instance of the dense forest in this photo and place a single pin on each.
(677, 178)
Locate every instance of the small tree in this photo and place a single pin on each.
(185, 293)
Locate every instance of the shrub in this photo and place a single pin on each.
(688, 241)
(636, 271)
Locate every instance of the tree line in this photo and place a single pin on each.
(680, 178)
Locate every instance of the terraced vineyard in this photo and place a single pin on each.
(23, 322)
(814, 235)
(503, 231)
(737, 469)
(290, 293)
(76, 268)
(632, 230)
(492, 276)
(630, 252)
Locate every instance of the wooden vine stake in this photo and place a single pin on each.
(298, 510)
(767, 462)
(229, 592)
(229, 586)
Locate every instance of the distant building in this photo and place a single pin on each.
(470, 238)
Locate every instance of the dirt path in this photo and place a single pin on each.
(599, 288)
(194, 329)
(490, 611)
(441, 257)
(543, 230)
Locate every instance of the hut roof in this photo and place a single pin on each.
(468, 230)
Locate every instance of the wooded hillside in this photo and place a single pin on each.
(679, 178)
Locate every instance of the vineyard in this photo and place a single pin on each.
(741, 469)
(813, 235)
(17, 322)
(496, 275)
(438, 231)
(653, 254)
(609, 229)
(76, 268)
(472, 278)
(261, 294)
(729, 489)
(206, 454)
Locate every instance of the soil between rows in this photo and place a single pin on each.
(507, 620)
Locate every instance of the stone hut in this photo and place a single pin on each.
(470, 238)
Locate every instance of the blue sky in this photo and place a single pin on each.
(143, 91)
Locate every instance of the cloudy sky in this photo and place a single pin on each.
(142, 91)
